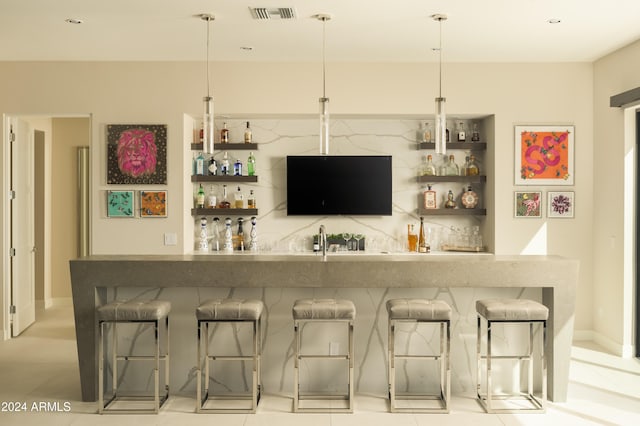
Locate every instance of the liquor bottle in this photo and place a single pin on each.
(200, 164)
(253, 244)
(240, 234)
(237, 168)
(427, 133)
(212, 199)
(469, 198)
(224, 203)
(248, 135)
(201, 133)
(462, 135)
(251, 200)
(475, 134)
(472, 168)
(423, 246)
(203, 238)
(224, 168)
(412, 238)
(427, 168)
(463, 170)
(239, 199)
(224, 134)
(429, 198)
(213, 167)
(447, 132)
(228, 236)
(450, 203)
(450, 168)
(215, 240)
(200, 198)
(251, 165)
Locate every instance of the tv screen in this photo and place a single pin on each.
(339, 185)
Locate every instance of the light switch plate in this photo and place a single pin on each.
(170, 239)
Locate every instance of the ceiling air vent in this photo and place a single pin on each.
(262, 13)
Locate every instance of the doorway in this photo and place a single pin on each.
(56, 210)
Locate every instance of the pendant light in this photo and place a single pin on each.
(441, 116)
(324, 101)
(207, 117)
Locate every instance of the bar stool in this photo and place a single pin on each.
(327, 311)
(505, 311)
(229, 311)
(419, 311)
(151, 312)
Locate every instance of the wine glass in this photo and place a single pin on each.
(346, 236)
(358, 237)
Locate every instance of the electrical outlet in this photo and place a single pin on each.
(334, 348)
(170, 239)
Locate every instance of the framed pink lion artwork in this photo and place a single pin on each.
(136, 154)
(544, 155)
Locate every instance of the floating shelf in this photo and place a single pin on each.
(452, 212)
(467, 146)
(227, 146)
(223, 212)
(436, 179)
(222, 179)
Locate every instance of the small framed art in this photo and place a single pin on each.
(560, 204)
(528, 204)
(120, 204)
(153, 203)
(544, 155)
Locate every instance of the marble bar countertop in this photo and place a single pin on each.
(555, 275)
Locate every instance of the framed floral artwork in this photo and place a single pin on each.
(544, 155)
(120, 204)
(153, 203)
(528, 204)
(560, 204)
(136, 154)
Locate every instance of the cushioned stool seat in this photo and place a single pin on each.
(502, 311)
(326, 311)
(233, 311)
(420, 311)
(121, 312)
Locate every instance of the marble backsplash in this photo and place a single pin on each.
(370, 334)
(277, 138)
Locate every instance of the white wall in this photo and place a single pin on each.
(123, 92)
(613, 74)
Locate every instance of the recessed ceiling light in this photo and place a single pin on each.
(246, 48)
(74, 21)
(554, 21)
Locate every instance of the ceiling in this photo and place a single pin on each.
(360, 30)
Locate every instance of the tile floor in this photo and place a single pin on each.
(41, 367)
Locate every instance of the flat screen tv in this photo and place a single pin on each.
(339, 185)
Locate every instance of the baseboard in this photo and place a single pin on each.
(623, 351)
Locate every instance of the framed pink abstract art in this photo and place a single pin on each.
(544, 155)
(136, 154)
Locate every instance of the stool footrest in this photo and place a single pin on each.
(301, 357)
(518, 357)
(431, 357)
(141, 358)
(230, 358)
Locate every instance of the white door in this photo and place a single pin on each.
(22, 227)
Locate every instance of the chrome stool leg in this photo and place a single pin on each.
(511, 311)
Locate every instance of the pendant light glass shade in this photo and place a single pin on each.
(441, 126)
(324, 126)
(207, 125)
(207, 116)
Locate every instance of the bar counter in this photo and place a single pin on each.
(556, 277)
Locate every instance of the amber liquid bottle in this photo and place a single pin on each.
(423, 247)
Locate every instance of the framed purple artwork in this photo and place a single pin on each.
(136, 154)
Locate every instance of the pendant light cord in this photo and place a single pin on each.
(324, 70)
(208, 42)
(440, 57)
